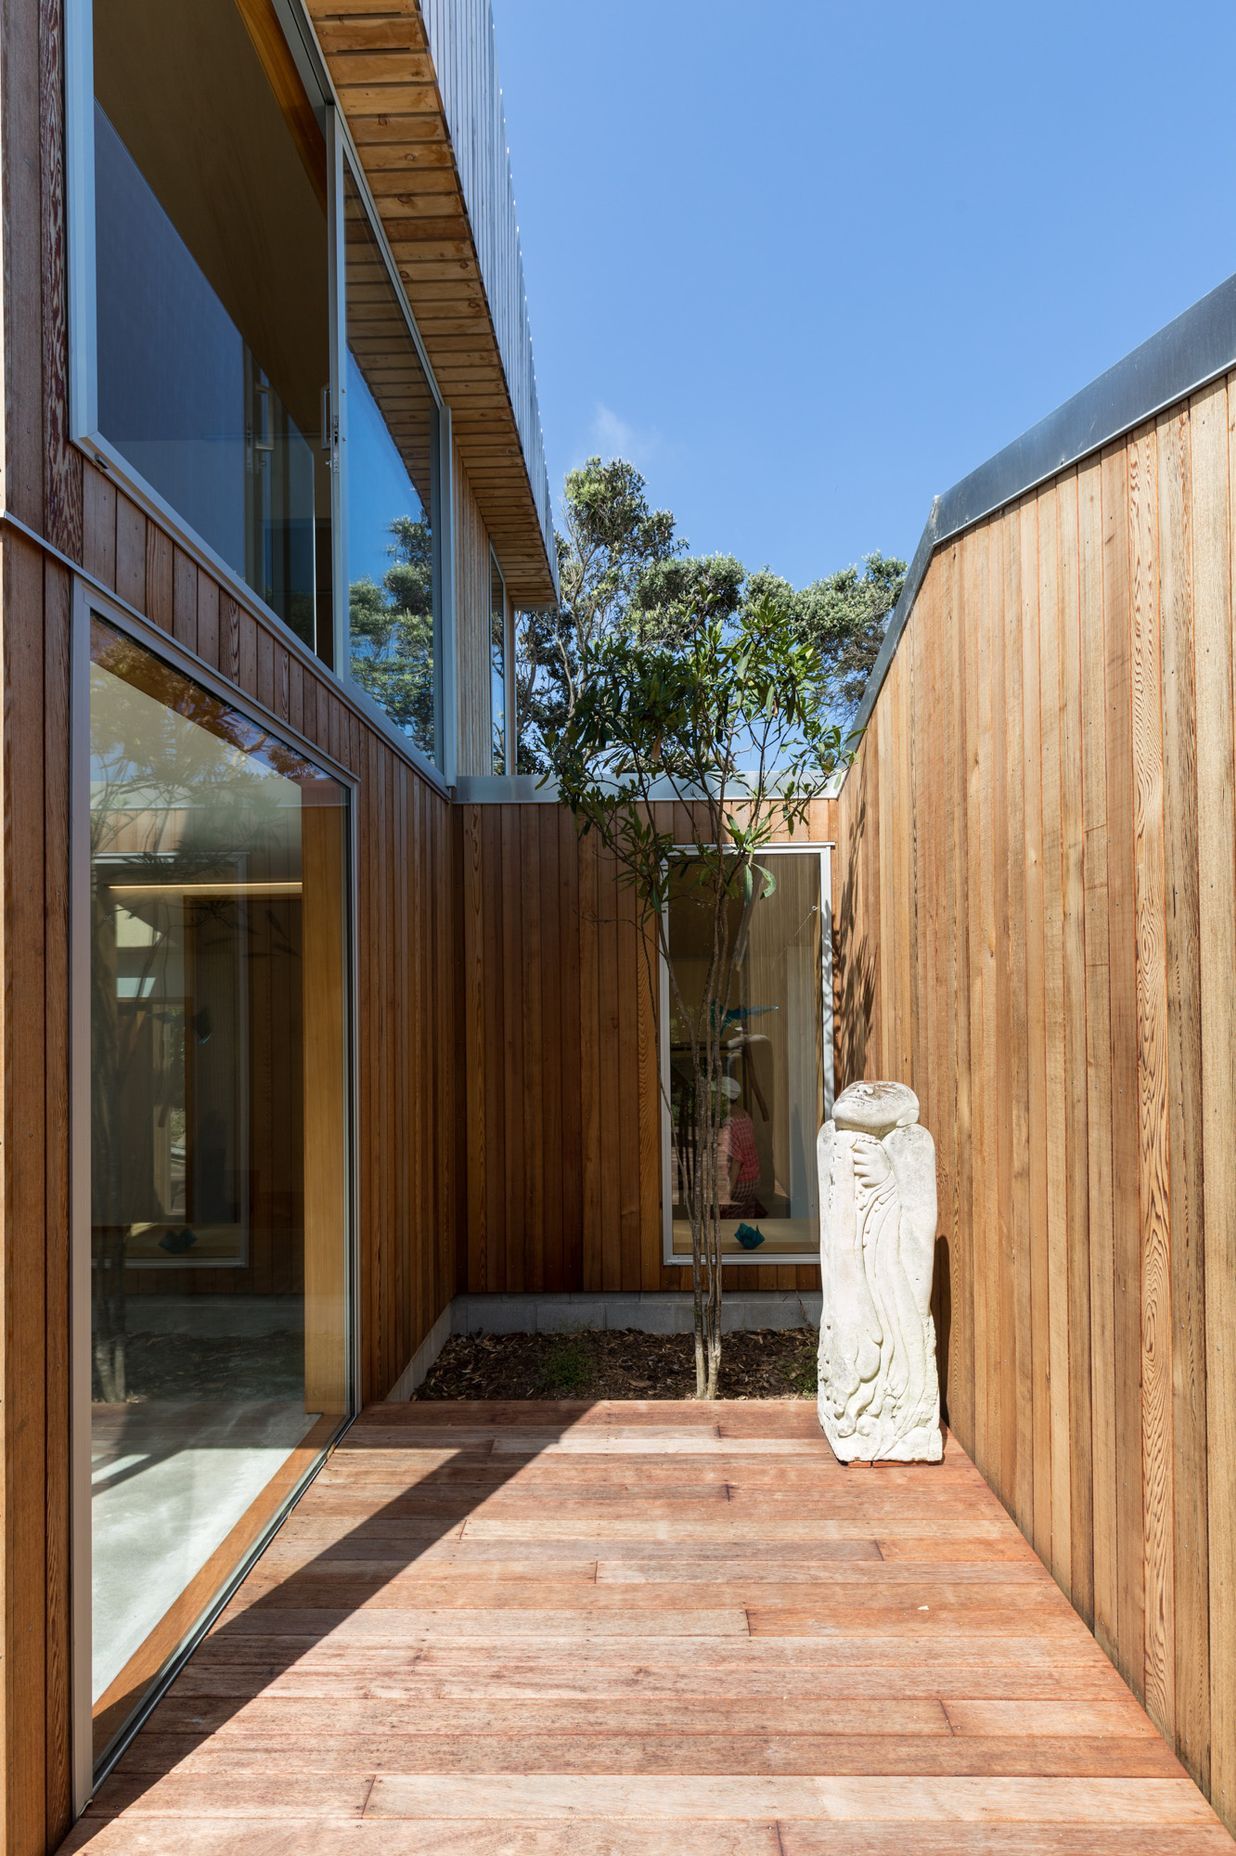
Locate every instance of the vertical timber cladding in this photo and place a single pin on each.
(562, 1182)
(42, 483)
(1036, 899)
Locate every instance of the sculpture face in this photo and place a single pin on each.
(879, 1396)
(874, 1108)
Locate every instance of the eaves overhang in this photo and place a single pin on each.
(416, 81)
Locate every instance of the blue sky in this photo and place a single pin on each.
(808, 262)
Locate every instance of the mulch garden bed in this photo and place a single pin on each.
(776, 1363)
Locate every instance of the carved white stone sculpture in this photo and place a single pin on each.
(879, 1394)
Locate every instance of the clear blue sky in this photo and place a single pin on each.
(807, 262)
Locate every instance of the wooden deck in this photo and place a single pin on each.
(570, 1630)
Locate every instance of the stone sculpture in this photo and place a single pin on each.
(879, 1392)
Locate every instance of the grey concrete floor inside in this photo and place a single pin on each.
(169, 1480)
(215, 1405)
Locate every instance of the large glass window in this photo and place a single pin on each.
(211, 280)
(497, 667)
(392, 461)
(774, 1061)
(218, 1143)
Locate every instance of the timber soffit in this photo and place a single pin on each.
(418, 89)
(1182, 357)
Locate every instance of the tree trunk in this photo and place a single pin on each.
(697, 1206)
(705, 1210)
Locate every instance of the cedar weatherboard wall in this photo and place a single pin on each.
(1036, 928)
(560, 1061)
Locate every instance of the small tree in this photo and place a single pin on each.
(724, 711)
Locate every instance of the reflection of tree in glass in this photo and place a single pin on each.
(392, 632)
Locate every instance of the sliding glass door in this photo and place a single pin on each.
(219, 1357)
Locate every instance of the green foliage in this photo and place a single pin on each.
(723, 710)
(624, 568)
(707, 586)
(610, 538)
(545, 669)
(843, 616)
(392, 632)
(611, 535)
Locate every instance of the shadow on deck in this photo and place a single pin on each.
(562, 1628)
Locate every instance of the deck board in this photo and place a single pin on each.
(644, 1628)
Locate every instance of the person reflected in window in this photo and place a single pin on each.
(738, 1159)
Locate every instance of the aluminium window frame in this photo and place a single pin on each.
(84, 429)
(747, 1259)
(89, 602)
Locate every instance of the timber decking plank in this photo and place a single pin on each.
(898, 1800)
(1048, 1717)
(283, 1715)
(953, 1839)
(816, 1611)
(649, 1837)
(639, 1837)
(577, 1682)
(323, 1751)
(869, 1575)
(410, 1674)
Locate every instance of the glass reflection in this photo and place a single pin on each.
(211, 290)
(392, 464)
(218, 1129)
(773, 1054)
(497, 666)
